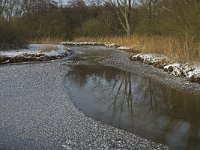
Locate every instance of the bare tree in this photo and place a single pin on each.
(2, 6)
(123, 11)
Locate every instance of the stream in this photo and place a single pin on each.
(134, 102)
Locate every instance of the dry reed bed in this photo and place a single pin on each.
(47, 40)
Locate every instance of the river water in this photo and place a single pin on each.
(136, 103)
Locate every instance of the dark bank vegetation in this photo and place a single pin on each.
(166, 26)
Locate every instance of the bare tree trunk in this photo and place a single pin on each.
(123, 12)
(2, 6)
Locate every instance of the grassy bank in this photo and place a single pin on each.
(180, 49)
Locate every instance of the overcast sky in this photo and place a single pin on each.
(65, 1)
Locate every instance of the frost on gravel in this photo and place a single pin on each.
(191, 72)
(124, 48)
(107, 44)
(111, 45)
(156, 60)
(83, 43)
(34, 52)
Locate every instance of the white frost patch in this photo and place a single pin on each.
(124, 48)
(36, 49)
(177, 72)
(54, 50)
(156, 59)
(170, 67)
(186, 70)
(81, 43)
(14, 53)
(110, 44)
(192, 72)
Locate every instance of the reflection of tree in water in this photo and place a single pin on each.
(169, 112)
(122, 92)
(81, 73)
(182, 111)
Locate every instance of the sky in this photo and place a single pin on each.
(65, 1)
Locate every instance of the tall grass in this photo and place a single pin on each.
(184, 49)
(47, 40)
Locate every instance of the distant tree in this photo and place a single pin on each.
(95, 2)
(151, 10)
(76, 3)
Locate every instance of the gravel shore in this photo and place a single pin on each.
(36, 113)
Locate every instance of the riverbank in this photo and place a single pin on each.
(45, 52)
(34, 52)
(189, 70)
(180, 49)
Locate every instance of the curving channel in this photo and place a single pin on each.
(137, 104)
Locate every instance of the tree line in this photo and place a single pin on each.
(25, 20)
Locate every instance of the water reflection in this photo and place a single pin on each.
(137, 104)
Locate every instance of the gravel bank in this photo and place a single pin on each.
(36, 113)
